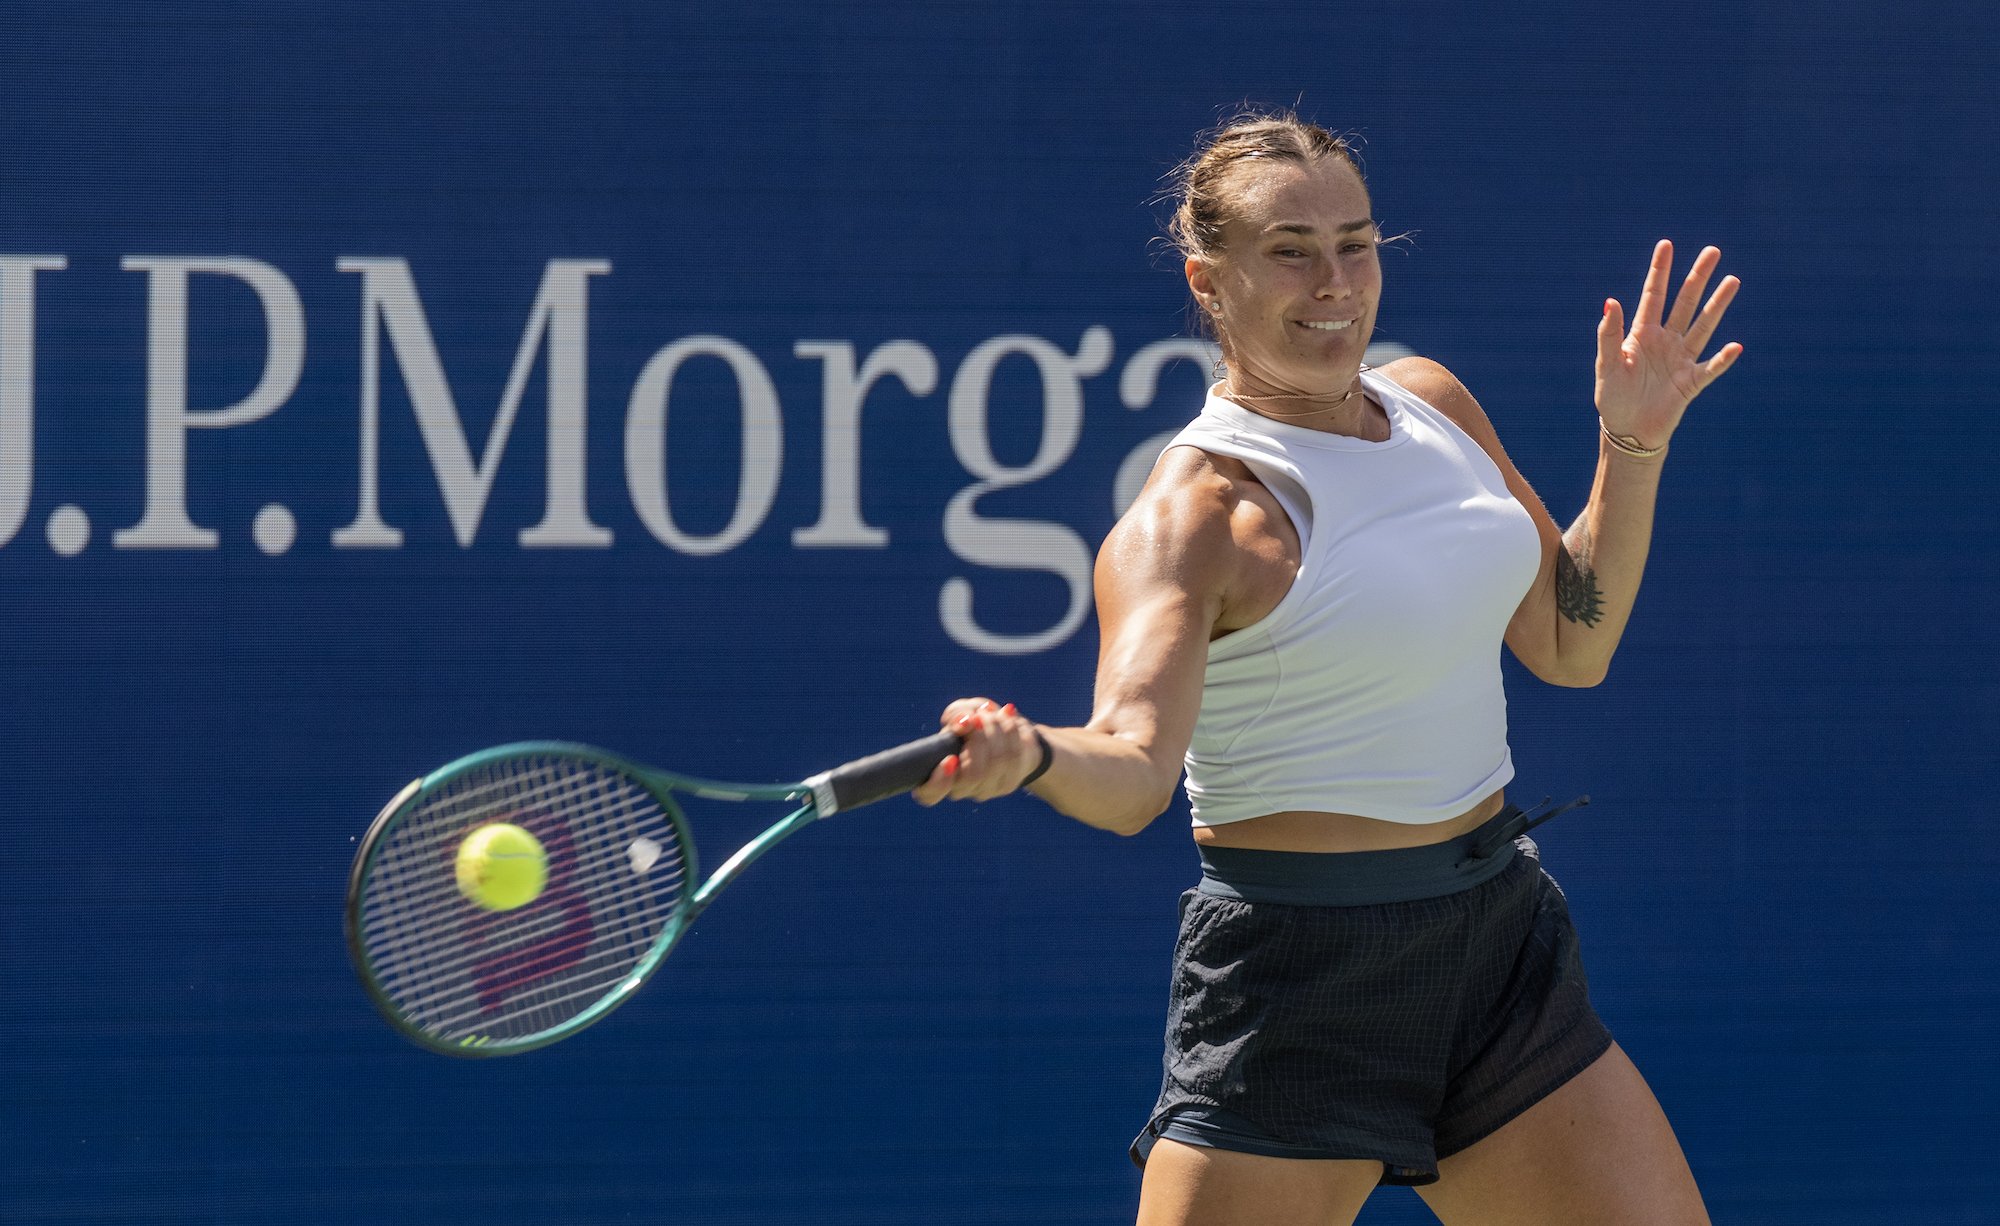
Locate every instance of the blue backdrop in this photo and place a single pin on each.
(385, 381)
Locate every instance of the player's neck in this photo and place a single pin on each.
(1348, 411)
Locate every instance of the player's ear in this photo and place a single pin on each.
(1198, 277)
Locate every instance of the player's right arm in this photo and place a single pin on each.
(1163, 582)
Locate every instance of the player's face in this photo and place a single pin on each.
(1298, 279)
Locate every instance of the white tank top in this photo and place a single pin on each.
(1374, 686)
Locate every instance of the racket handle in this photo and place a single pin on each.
(881, 775)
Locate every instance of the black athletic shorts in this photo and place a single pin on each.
(1388, 1005)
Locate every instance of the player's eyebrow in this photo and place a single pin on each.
(1305, 229)
(1299, 227)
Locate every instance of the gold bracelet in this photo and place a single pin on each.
(1629, 445)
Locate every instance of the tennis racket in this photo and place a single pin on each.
(464, 981)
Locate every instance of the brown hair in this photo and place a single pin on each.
(1207, 184)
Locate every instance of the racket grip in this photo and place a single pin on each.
(881, 775)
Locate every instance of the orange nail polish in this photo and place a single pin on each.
(1008, 709)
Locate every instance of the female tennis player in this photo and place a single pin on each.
(1374, 981)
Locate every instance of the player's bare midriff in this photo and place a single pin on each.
(1298, 830)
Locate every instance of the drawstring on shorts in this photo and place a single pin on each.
(1522, 822)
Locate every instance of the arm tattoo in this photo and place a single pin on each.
(1577, 597)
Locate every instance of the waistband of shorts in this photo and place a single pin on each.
(1361, 878)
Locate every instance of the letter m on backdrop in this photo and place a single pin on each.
(389, 305)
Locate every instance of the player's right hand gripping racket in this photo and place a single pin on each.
(465, 981)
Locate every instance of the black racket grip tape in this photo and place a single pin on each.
(889, 773)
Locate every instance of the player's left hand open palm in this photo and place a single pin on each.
(1646, 379)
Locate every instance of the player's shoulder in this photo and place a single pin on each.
(1430, 381)
(1181, 521)
(1189, 496)
(1425, 378)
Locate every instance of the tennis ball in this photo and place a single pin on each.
(501, 867)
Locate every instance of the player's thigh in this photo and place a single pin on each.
(1598, 1150)
(1190, 1185)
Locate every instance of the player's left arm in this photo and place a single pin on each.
(1568, 626)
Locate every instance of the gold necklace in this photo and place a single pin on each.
(1357, 391)
(1296, 396)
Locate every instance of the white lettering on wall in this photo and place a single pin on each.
(1017, 544)
(558, 324)
(561, 315)
(17, 384)
(646, 445)
(1138, 384)
(165, 524)
(1139, 381)
(840, 523)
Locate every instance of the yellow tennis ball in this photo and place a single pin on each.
(501, 867)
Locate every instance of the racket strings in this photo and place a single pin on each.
(635, 808)
(566, 804)
(617, 875)
(506, 954)
(529, 953)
